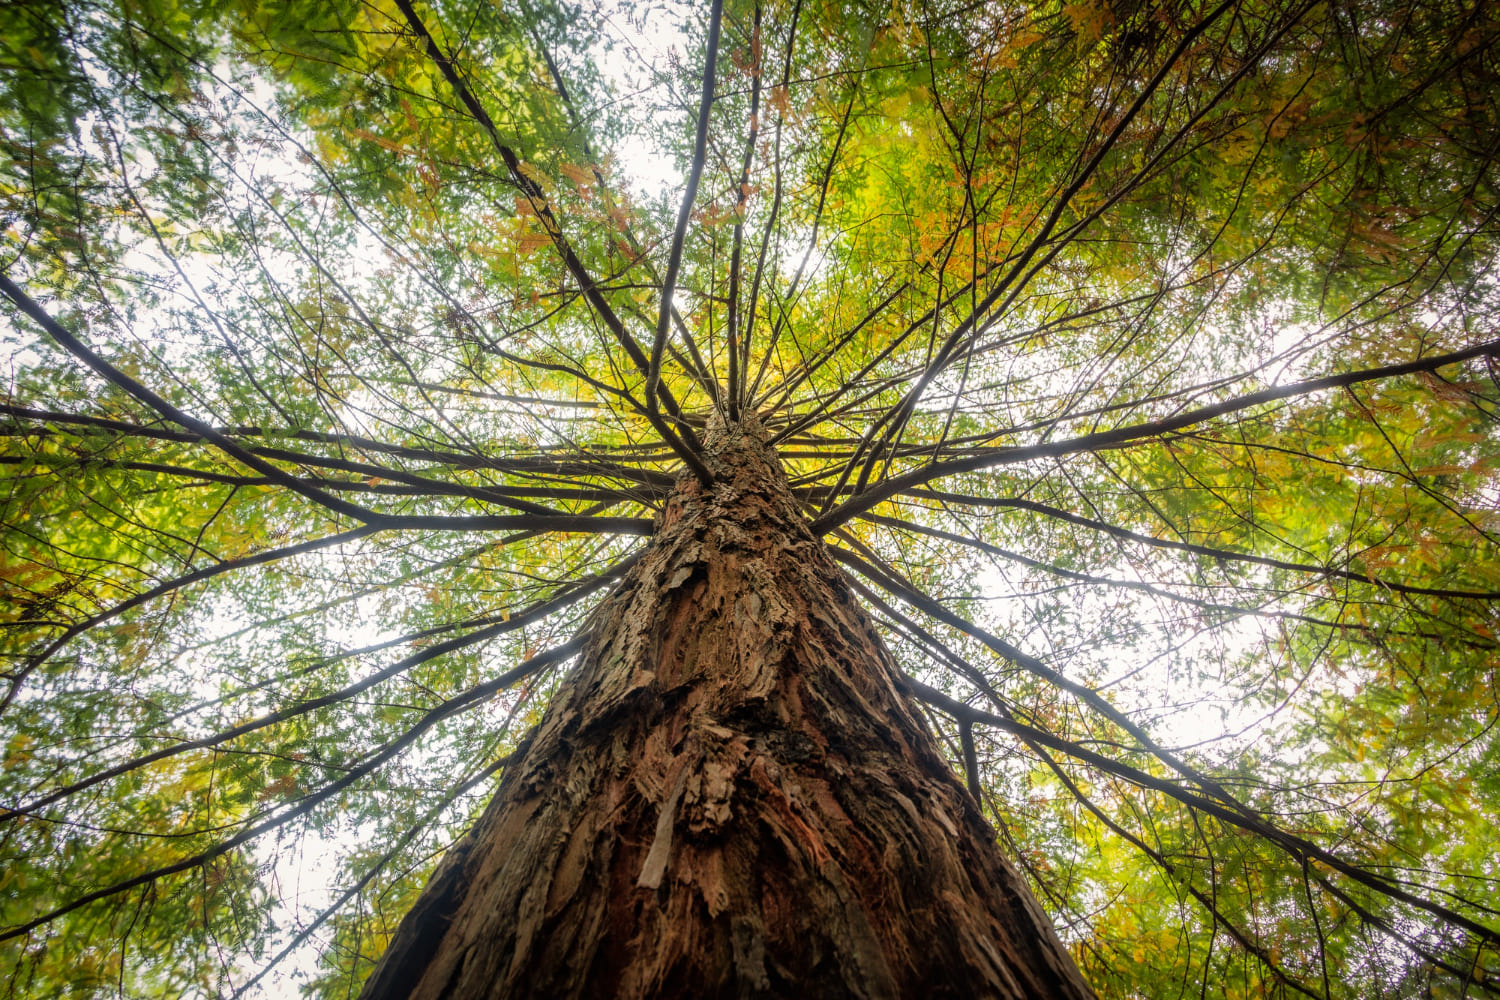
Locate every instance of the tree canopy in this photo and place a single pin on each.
(1138, 361)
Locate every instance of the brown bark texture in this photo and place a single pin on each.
(729, 797)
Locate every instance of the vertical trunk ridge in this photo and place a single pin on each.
(729, 798)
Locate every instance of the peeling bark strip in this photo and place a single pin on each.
(729, 798)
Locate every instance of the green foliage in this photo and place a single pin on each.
(351, 303)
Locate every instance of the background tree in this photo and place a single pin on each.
(1137, 361)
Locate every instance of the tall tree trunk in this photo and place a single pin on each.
(729, 798)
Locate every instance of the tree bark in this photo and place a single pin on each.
(729, 798)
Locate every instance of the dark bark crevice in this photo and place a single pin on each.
(730, 797)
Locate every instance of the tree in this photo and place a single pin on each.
(380, 439)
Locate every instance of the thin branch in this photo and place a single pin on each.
(685, 213)
(431, 718)
(864, 500)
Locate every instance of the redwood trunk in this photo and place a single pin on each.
(729, 798)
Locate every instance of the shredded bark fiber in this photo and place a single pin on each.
(729, 797)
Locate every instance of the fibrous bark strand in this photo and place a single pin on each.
(729, 798)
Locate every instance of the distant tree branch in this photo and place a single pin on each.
(864, 500)
(305, 806)
(510, 623)
(685, 446)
